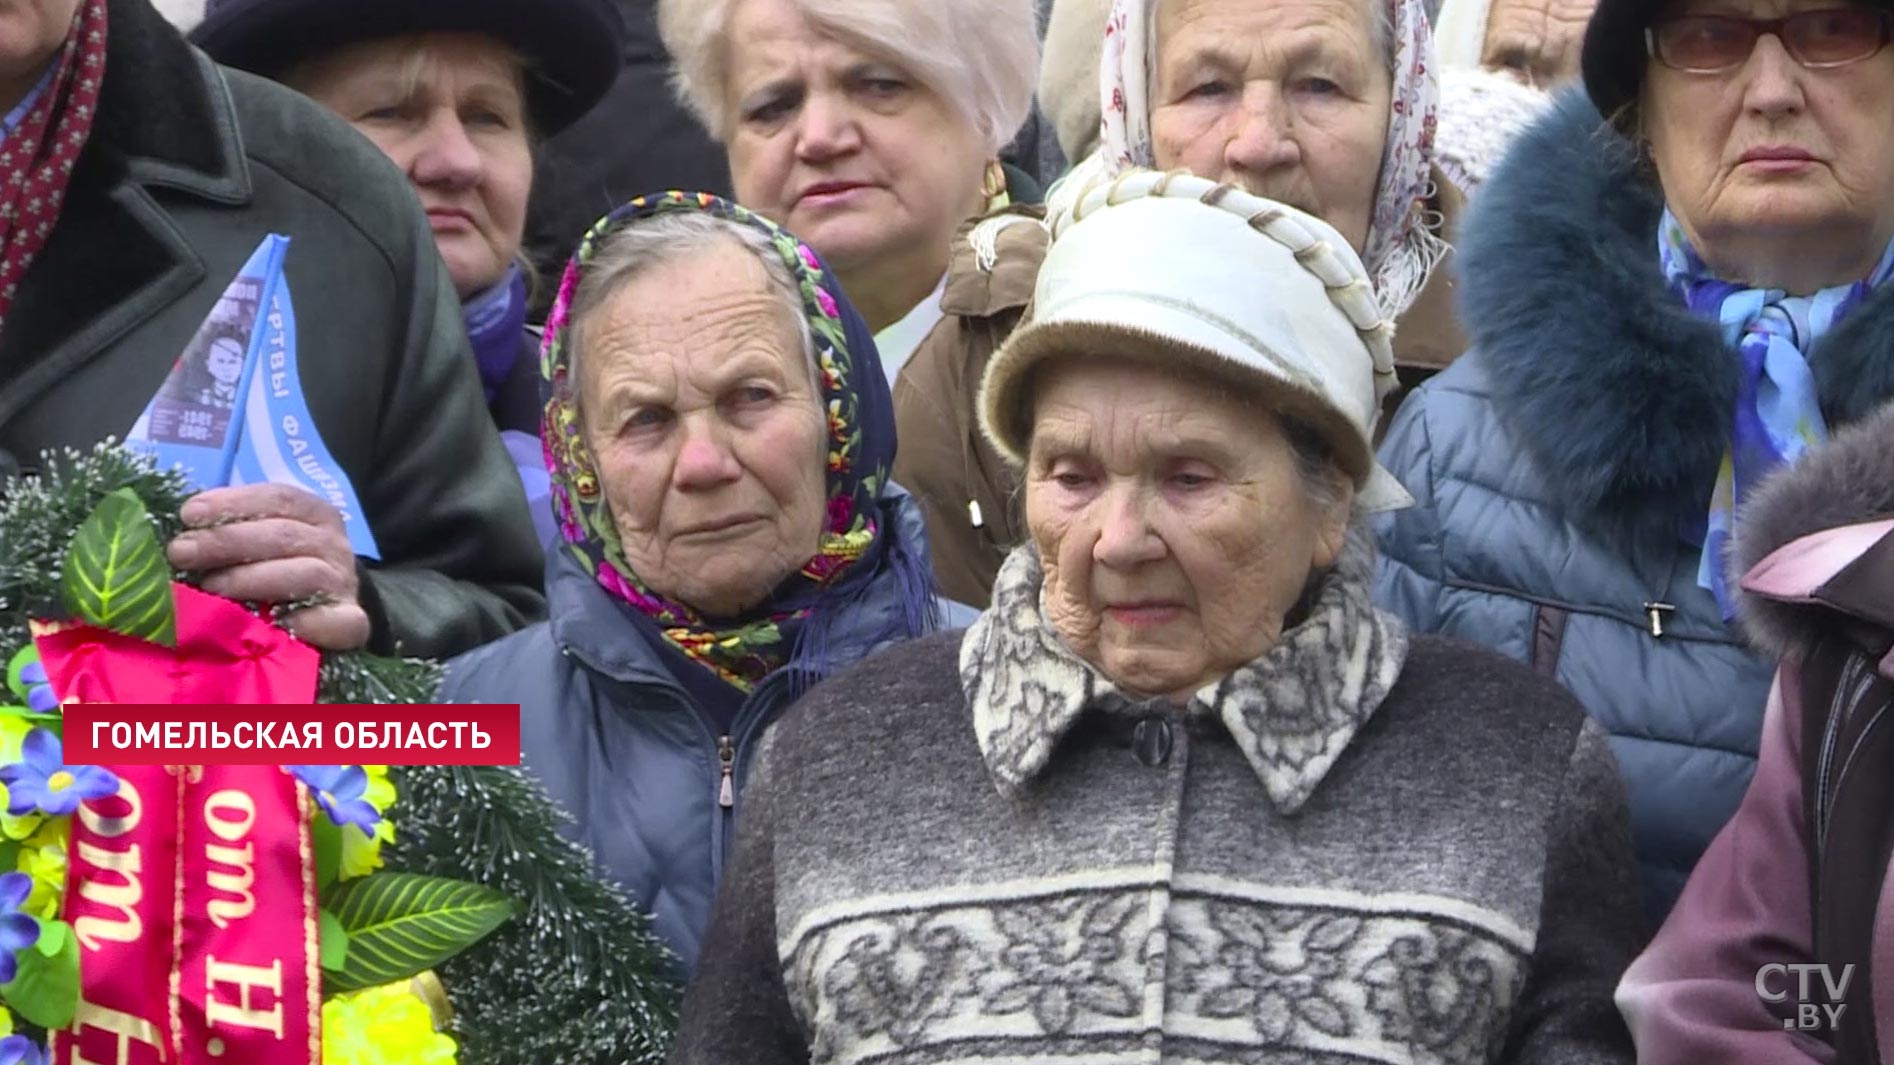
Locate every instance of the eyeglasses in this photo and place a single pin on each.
(1711, 44)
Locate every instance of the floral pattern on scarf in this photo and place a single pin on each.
(1778, 413)
(1401, 249)
(861, 450)
(38, 155)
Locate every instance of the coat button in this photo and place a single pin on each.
(1151, 741)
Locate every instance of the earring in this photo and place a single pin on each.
(993, 186)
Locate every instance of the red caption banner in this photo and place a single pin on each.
(305, 734)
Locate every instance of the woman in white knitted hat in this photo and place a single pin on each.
(1182, 794)
(1328, 106)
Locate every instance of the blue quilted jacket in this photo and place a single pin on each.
(620, 744)
(1562, 467)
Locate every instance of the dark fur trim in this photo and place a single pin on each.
(1619, 394)
(1847, 481)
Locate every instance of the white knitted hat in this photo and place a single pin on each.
(1183, 271)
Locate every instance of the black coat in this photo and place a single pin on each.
(188, 168)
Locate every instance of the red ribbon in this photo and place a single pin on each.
(192, 891)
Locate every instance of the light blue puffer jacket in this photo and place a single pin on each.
(1561, 465)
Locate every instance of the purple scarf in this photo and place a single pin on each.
(496, 322)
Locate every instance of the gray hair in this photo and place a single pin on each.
(647, 243)
(1321, 476)
(981, 56)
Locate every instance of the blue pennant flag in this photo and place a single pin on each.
(232, 412)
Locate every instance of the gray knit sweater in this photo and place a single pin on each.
(1354, 850)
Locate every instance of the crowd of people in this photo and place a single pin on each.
(1105, 530)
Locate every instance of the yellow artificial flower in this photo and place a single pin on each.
(361, 853)
(43, 857)
(13, 732)
(17, 828)
(6, 1022)
(388, 1025)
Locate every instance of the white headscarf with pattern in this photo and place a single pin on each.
(1402, 248)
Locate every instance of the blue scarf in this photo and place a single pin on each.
(1778, 410)
(496, 326)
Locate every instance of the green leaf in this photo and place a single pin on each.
(335, 942)
(328, 839)
(52, 937)
(46, 990)
(115, 573)
(401, 924)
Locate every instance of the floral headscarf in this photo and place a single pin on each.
(1401, 249)
(788, 628)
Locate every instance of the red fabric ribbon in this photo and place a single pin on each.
(192, 892)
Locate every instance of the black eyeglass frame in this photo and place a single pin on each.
(1758, 27)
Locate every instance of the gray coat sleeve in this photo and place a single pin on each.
(737, 1007)
(1590, 923)
(460, 564)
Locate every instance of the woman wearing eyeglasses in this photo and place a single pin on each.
(1666, 304)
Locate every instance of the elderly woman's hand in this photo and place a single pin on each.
(272, 543)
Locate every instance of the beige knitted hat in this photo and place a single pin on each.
(1178, 270)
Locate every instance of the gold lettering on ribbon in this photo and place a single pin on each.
(246, 978)
(231, 830)
(126, 928)
(123, 1025)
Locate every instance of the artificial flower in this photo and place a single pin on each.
(388, 1025)
(26, 676)
(361, 849)
(43, 857)
(18, 930)
(43, 781)
(19, 1050)
(341, 789)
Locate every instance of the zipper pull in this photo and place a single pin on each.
(727, 762)
(1656, 611)
(973, 514)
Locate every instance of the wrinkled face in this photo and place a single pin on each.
(1286, 98)
(225, 361)
(31, 32)
(845, 150)
(706, 429)
(1781, 175)
(1536, 41)
(450, 110)
(1175, 531)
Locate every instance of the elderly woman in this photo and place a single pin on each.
(136, 179)
(719, 436)
(1182, 793)
(872, 128)
(1665, 307)
(1794, 883)
(455, 95)
(1327, 108)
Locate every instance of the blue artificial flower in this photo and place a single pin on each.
(341, 789)
(39, 699)
(43, 781)
(18, 931)
(19, 1050)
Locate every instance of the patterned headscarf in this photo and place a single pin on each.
(42, 146)
(1401, 248)
(790, 628)
(1778, 411)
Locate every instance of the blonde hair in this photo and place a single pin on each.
(981, 56)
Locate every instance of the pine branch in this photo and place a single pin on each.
(581, 962)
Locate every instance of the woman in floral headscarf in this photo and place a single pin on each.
(719, 435)
(1328, 107)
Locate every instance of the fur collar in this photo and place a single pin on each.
(1848, 481)
(1292, 712)
(1620, 395)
